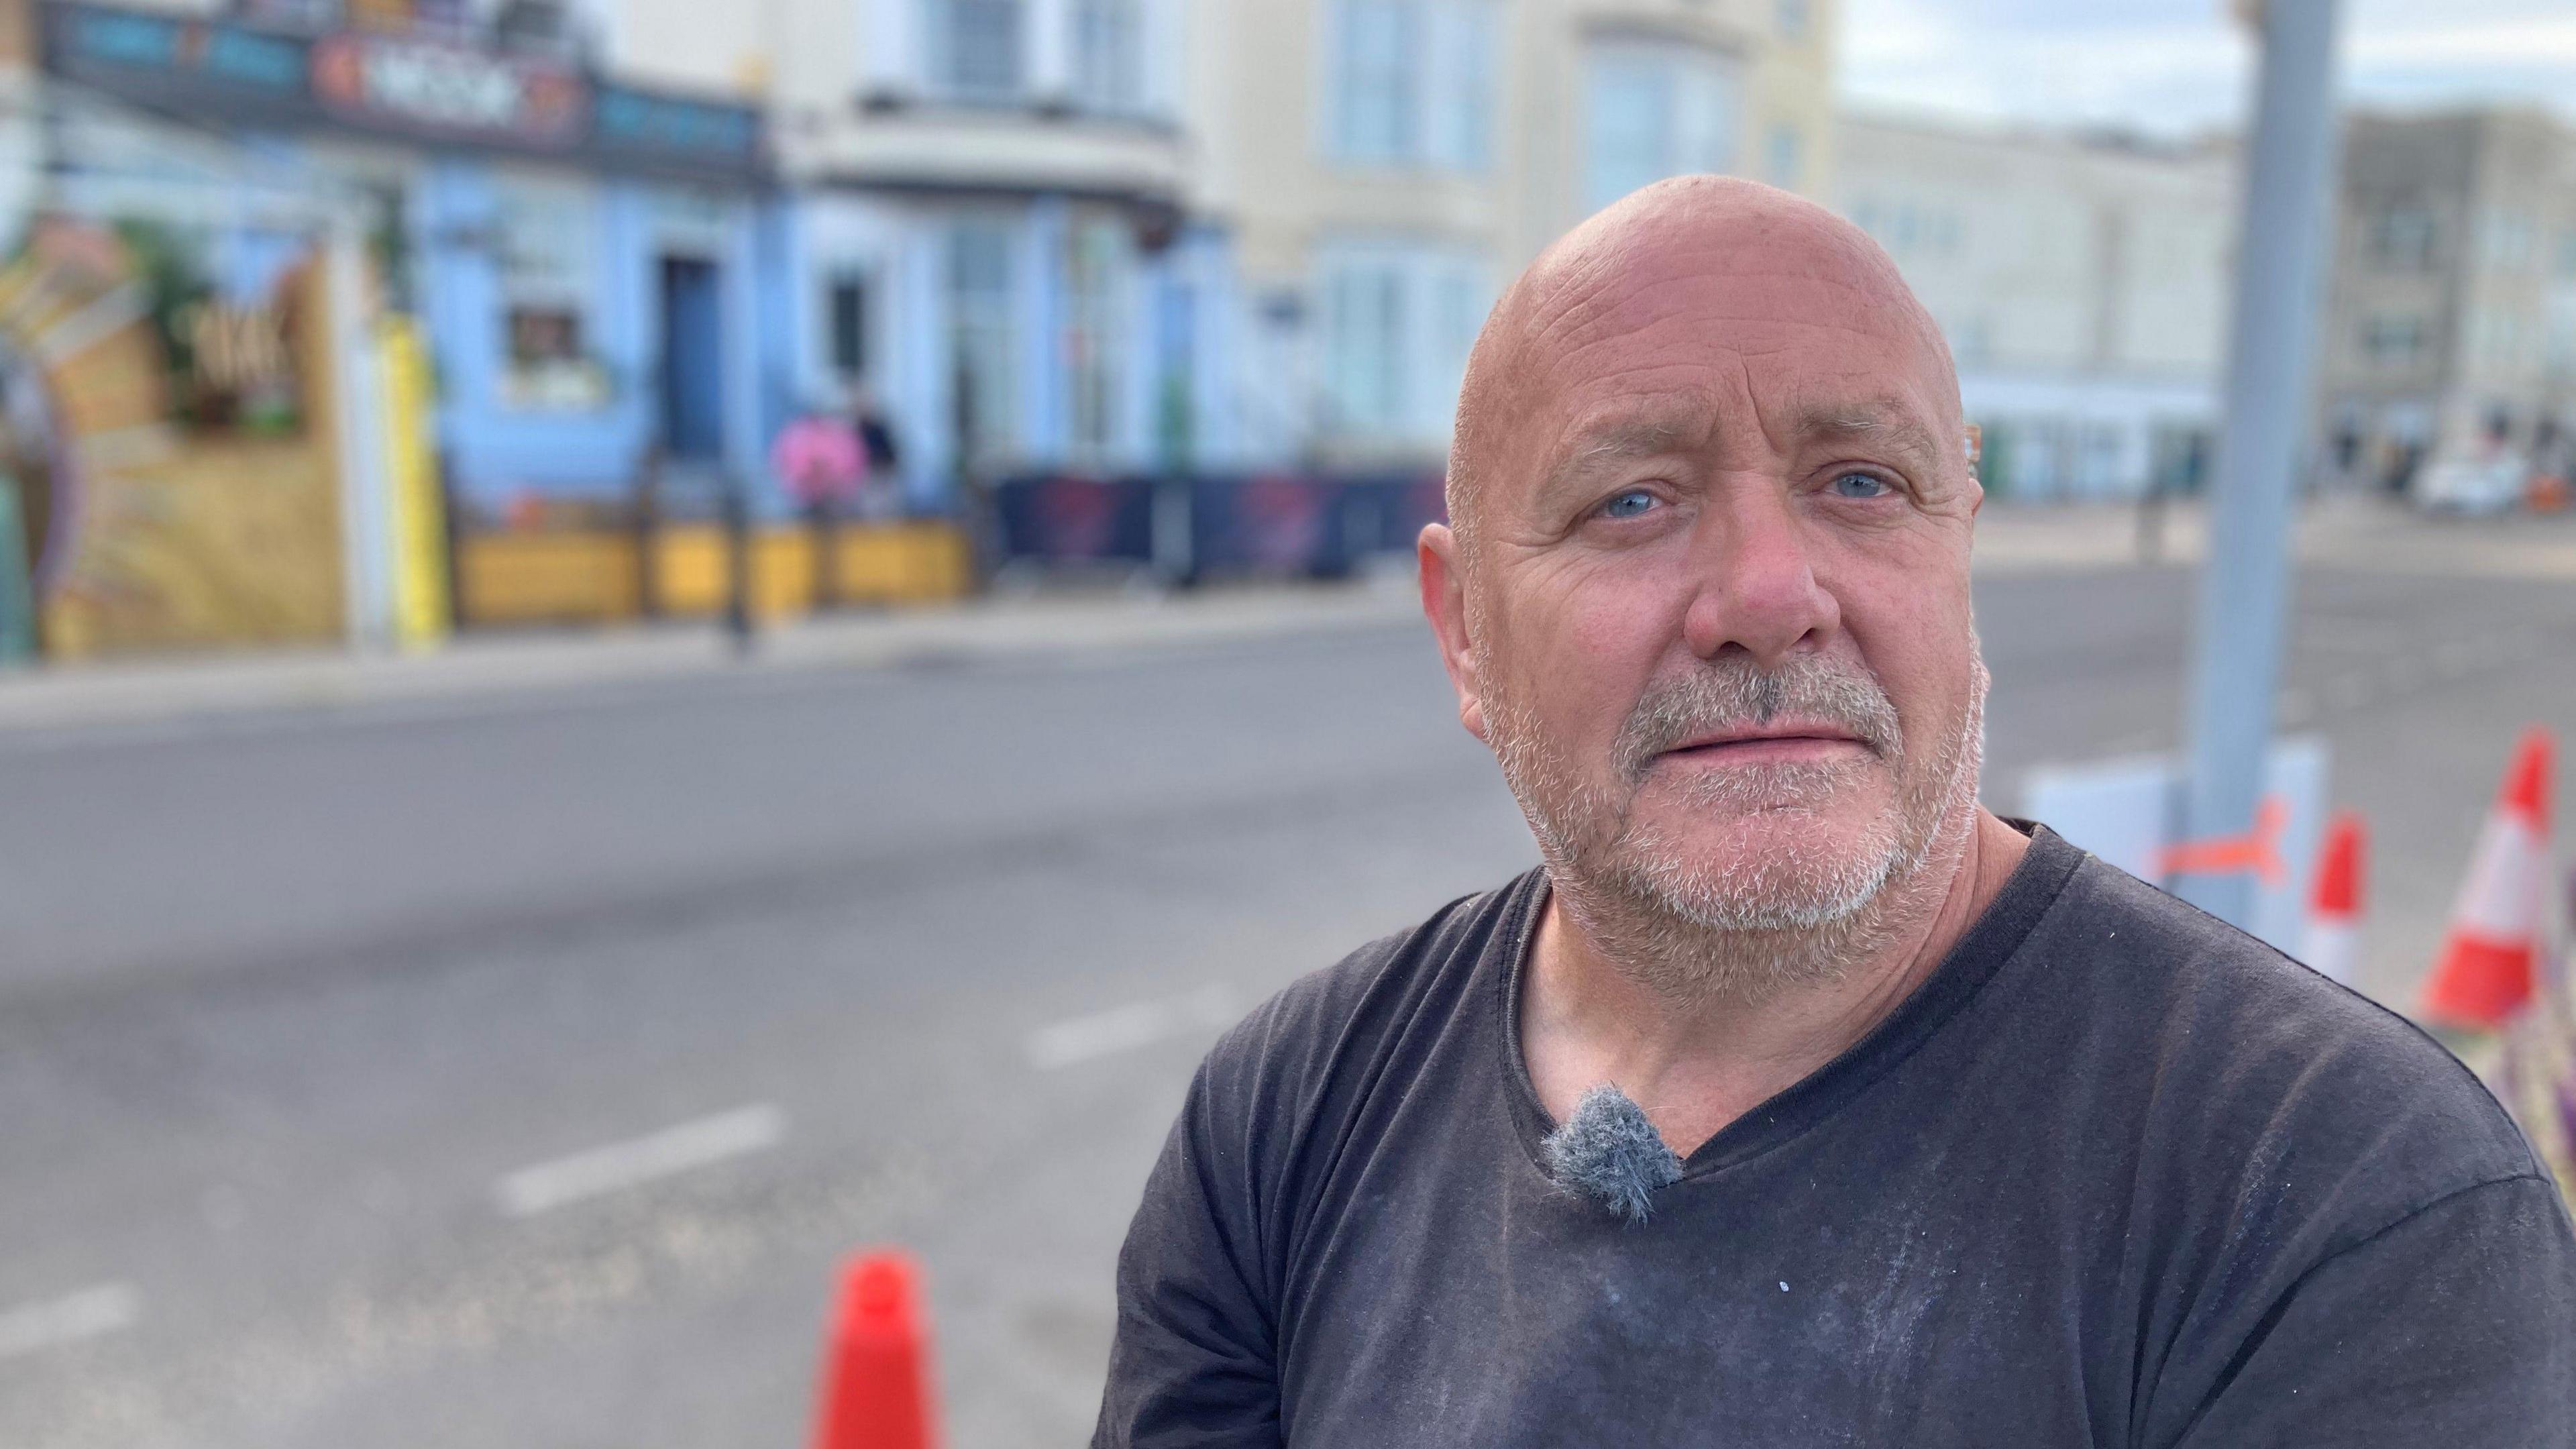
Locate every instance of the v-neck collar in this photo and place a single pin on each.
(1987, 944)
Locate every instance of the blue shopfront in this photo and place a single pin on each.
(583, 254)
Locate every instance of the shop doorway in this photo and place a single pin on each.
(692, 360)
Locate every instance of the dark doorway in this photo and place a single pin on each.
(692, 360)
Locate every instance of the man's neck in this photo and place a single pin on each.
(1696, 1065)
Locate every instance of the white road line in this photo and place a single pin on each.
(90, 1313)
(1125, 1028)
(620, 1165)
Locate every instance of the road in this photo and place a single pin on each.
(512, 1074)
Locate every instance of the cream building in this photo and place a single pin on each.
(1384, 166)
(2082, 281)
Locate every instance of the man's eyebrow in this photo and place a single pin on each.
(1623, 439)
(1882, 423)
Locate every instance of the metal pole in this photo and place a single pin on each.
(2289, 177)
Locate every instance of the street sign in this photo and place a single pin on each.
(2129, 811)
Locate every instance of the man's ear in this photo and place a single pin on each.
(1444, 603)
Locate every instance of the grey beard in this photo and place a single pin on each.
(1682, 936)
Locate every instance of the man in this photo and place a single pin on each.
(1797, 1100)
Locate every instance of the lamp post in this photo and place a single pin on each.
(2244, 586)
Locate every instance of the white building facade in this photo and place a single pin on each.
(986, 220)
(2082, 283)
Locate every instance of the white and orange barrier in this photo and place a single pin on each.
(2333, 944)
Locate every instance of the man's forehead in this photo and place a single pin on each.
(1695, 419)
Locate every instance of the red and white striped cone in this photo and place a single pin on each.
(2491, 958)
(2333, 939)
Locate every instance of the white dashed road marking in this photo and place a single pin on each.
(90, 1313)
(703, 1142)
(1125, 1028)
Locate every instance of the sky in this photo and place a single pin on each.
(2181, 67)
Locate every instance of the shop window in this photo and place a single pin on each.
(549, 270)
(1413, 83)
(1108, 55)
(1653, 111)
(983, 351)
(845, 311)
(1092, 355)
(976, 47)
(1364, 347)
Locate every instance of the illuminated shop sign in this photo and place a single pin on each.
(449, 89)
(232, 72)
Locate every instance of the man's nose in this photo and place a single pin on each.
(1757, 581)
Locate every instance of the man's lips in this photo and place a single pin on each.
(1777, 739)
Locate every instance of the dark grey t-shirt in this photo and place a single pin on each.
(2116, 1174)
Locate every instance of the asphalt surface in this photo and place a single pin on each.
(512, 1074)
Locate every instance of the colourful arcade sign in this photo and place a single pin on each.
(230, 71)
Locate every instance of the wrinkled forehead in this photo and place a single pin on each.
(1750, 342)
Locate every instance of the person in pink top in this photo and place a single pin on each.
(819, 458)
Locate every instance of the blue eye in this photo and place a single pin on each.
(1628, 504)
(1861, 485)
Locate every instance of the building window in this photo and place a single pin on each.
(1784, 156)
(2401, 239)
(549, 273)
(983, 353)
(1398, 323)
(975, 48)
(2509, 237)
(1412, 83)
(2392, 342)
(845, 313)
(1108, 55)
(1653, 111)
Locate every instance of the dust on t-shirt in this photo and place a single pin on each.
(2115, 1174)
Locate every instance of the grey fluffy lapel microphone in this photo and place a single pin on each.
(1609, 1153)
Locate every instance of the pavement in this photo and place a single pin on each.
(498, 1049)
(184, 692)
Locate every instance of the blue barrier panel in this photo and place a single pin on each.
(1272, 524)
(1060, 518)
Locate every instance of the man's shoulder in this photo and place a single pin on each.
(1346, 1018)
(2232, 1047)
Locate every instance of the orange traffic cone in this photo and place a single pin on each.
(2333, 941)
(2492, 954)
(876, 1367)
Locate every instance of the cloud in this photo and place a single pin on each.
(2176, 70)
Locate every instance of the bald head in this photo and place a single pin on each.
(1712, 272)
